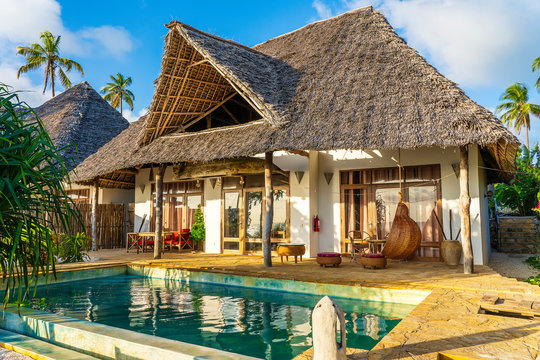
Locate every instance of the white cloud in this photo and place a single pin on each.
(132, 116)
(323, 10)
(475, 43)
(21, 23)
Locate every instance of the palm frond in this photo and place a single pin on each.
(64, 79)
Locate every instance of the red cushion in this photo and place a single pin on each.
(150, 242)
(373, 255)
(328, 254)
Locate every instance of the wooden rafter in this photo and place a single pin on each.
(127, 171)
(186, 74)
(198, 63)
(230, 114)
(117, 182)
(184, 126)
(201, 81)
(158, 123)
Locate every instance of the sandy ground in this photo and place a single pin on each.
(512, 265)
(12, 355)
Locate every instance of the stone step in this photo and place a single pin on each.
(38, 349)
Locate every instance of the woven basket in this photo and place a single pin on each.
(404, 237)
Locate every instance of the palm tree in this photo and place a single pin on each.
(536, 67)
(517, 110)
(47, 53)
(116, 92)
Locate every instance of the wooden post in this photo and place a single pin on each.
(95, 200)
(465, 204)
(159, 211)
(269, 209)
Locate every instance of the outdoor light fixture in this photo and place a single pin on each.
(328, 176)
(299, 176)
(242, 180)
(198, 184)
(213, 183)
(141, 187)
(219, 182)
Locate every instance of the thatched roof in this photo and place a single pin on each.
(349, 82)
(79, 122)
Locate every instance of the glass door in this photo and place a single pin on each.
(232, 222)
(424, 209)
(355, 214)
(254, 219)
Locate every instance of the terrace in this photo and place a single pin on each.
(446, 322)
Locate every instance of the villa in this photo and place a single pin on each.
(342, 103)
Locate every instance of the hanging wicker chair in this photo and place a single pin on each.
(404, 237)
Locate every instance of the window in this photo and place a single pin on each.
(180, 202)
(369, 199)
(79, 196)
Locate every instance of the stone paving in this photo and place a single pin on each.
(446, 325)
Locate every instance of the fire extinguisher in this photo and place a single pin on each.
(316, 224)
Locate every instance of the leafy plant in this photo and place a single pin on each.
(116, 92)
(522, 195)
(32, 197)
(198, 231)
(48, 54)
(517, 108)
(73, 248)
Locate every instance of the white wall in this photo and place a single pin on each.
(143, 192)
(212, 217)
(336, 160)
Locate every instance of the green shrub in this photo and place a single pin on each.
(522, 195)
(71, 248)
(198, 231)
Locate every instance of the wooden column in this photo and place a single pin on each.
(159, 211)
(95, 200)
(465, 204)
(269, 209)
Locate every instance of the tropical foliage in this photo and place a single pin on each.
(536, 67)
(522, 195)
(32, 197)
(116, 92)
(47, 54)
(198, 231)
(517, 110)
(72, 248)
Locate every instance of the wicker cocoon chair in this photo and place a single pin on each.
(404, 237)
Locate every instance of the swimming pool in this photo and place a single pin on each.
(260, 323)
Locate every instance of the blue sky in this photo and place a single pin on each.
(483, 45)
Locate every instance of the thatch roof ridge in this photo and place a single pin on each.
(79, 121)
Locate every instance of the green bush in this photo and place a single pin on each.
(198, 231)
(71, 248)
(522, 195)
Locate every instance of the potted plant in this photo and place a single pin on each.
(198, 231)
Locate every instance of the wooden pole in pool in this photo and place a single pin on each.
(159, 211)
(269, 208)
(95, 200)
(465, 205)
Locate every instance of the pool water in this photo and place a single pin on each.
(260, 323)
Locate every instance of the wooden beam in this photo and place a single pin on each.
(208, 121)
(297, 152)
(203, 115)
(95, 200)
(465, 204)
(230, 114)
(127, 171)
(269, 209)
(201, 81)
(158, 122)
(159, 211)
(159, 131)
(117, 182)
(198, 63)
(245, 106)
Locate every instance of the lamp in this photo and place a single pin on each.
(328, 176)
(213, 183)
(299, 176)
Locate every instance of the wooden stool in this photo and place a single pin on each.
(291, 250)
